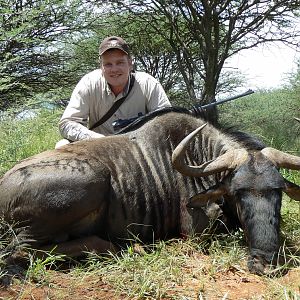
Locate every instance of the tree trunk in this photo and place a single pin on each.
(211, 114)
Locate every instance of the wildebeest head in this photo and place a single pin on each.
(254, 185)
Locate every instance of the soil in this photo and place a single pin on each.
(233, 283)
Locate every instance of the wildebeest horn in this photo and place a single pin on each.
(227, 161)
(282, 159)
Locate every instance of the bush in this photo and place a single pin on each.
(269, 116)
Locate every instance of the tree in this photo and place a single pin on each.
(31, 49)
(204, 34)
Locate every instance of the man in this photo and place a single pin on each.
(98, 90)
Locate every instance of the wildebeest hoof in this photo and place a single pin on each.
(256, 265)
(260, 266)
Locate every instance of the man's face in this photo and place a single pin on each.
(116, 67)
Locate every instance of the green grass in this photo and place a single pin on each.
(167, 270)
(20, 139)
(165, 267)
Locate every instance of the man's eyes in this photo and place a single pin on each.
(109, 65)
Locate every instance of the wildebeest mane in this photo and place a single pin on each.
(248, 141)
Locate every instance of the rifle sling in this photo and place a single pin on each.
(115, 106)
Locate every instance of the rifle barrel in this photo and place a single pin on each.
(224, 100)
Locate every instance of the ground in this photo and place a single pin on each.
(233, 283)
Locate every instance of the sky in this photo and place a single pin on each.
(266, 68)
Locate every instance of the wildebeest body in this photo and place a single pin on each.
(107, 186)
(124, 186)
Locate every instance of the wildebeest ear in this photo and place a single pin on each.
(201, 199)
(292, 190)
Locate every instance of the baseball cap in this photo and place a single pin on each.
(113, 42)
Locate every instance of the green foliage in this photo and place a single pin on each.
(50, 44)
(268, 115)
(38, 267)
(226, 251)
(203, 35)
(294, 80)
(152, 274)
(31, 45)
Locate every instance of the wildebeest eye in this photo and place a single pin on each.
(239, 192)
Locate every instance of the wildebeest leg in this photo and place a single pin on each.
(193, 221)
(76, 248)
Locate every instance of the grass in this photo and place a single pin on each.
(180, 269)
(164, 268)
(20, 139)
(268, 115)
(177, 269)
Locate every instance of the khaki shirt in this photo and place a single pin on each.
(92, 98)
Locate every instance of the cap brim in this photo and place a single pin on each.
(110, 48)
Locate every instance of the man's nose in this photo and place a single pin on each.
(114, 67)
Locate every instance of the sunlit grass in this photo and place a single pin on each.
(20, 139)
(164, 267)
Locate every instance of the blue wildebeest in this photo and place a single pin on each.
(152, 183)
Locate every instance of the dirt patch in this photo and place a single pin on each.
(61, 286)
(233, 283)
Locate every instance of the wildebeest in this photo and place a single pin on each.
(150, 183)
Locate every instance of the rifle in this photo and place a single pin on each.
(195, 110)
(200, 108)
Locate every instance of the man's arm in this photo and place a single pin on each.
(75, 131)
(73, 123)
